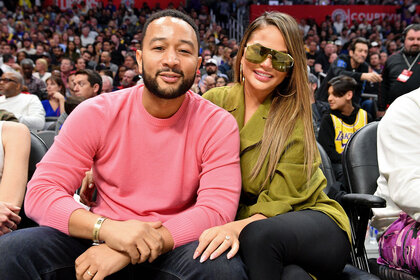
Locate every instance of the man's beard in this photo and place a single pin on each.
(413, 50)
(152, 85)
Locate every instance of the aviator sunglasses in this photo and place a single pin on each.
(257, 53)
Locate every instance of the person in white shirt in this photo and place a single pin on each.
(399, 182)
(26, 107)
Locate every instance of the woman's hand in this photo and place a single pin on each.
(58, 96)
(87, 189)
(214, 241)
(97, 262)
(8, 217)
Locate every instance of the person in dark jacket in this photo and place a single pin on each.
(353, 65)
(401, 73)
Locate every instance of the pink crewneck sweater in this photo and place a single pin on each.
(183, 171)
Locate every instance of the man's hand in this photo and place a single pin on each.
(98, 262)
(140, 240)
(318, 68)
(9, 219)
(371, 77)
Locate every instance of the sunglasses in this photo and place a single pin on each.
(257, 53)
(7, 80)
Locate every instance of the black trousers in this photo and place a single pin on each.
(294, 244)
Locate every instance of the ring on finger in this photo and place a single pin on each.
(227, 238)
(90, 273)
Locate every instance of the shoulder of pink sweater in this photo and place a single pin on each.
(209, 110)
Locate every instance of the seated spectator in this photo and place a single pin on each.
(120, 75)
(105, 63)
(221, 82)
(66, 66)
(206, 84)
(322, 61)
(130, 61)
(106, 83)
(27, 47)
(212, 70)
(20, 56)
(352, 65)
(87, 84)
(319, 108)
(9, 64)
(35, 86)
(41, 67)
(14, 157)
(398, 183)
(157, 235)
(54, 105)
(345, 118)
(129, 79)
(26, 107)
(80, 64)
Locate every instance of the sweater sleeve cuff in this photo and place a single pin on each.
(182, 230)
(62, 212)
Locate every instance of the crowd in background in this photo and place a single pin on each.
(105, 39)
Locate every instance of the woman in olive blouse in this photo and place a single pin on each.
(286, 227)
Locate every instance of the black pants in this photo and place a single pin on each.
(291, 245)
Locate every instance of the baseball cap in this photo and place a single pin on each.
(211, 61)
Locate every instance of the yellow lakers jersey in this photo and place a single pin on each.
(344, 131)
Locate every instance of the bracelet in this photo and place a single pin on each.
(96, 228)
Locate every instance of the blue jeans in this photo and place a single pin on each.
(46, 253)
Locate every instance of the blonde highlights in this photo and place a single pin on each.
(291, 101)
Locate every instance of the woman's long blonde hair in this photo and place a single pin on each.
(290, 100)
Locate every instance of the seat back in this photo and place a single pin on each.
(38, 150)
(360, 160)
(47, 136)
(326, 168)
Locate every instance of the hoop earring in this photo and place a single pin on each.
(241, 74)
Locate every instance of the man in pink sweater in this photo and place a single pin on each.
(166, 166)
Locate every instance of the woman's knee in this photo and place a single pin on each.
(262, 235)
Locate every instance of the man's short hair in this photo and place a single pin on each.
(359, 40)
(174, 14)
(93, 78)
(7, 57)
(342, 84)
(27, 61)
(414, 26)
(106, 77)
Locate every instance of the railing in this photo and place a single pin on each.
(235, 26)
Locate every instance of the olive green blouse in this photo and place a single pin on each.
(288, 190)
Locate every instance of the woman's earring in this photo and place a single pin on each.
(241, 75)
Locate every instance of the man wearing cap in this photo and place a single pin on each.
(402, 70)
(27, 47)
(212, 70)
(373, 48)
